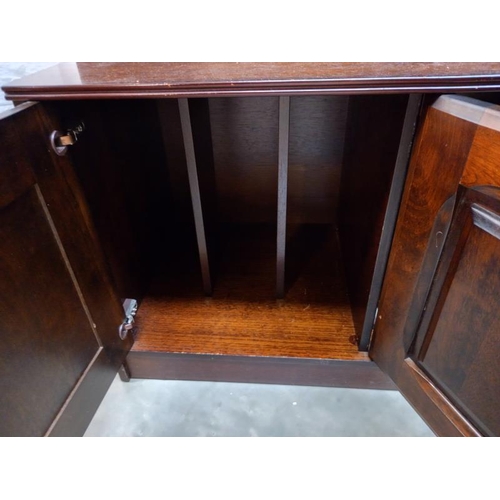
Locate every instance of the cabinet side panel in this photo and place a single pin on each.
(372, 139)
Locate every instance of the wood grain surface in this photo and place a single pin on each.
(36, 329)
(441, 155)
(59, 311)
(459, 334)
(133, 80)
(243, 318)
(245, 141)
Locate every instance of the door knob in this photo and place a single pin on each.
(60, 141)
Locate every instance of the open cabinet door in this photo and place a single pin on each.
(59, 314)
(437, 332)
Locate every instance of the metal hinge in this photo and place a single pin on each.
(130, 308)
(60, 141)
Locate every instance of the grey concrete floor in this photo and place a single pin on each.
(179, 408)
(173, 408)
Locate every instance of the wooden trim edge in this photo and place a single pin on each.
(462, 425)
(82, 403)
(80, 94)
(260, 370)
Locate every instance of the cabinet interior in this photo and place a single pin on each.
(342, 152)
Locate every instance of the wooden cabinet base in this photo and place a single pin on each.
(250, 369)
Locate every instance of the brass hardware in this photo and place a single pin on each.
(130, 308)
(60, 141)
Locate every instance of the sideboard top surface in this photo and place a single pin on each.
(139, 80)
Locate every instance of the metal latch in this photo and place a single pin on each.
(60, 141)
(130, 308)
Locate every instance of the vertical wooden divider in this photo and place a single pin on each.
(284, 132)
(391, 215)
(194, 186)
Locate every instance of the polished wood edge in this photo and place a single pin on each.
(248, 369)
(471, 110)
(82, 403)
(24, 85)
(276, 90)
(462, 425)
(465, 108)
(68, 265)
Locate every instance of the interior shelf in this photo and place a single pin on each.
(243, 317)
(256, 229)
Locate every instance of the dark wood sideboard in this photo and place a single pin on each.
(333, 224)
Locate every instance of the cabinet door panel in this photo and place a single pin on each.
(459, 335)
(59, 315)
(46, 339)
(436, 325)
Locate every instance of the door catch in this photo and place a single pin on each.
(60, 141)
(130, 308)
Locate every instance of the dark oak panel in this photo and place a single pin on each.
(245, 140)
(433, 251)
(458, 343)
(111, 80)
(47, 340)
(317, 138)
(60, 313)
(86, 396)
(72, 218)
(460, 425)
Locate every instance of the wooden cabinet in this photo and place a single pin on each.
(271, 225)
(436, 331)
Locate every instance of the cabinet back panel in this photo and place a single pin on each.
(245, 142)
